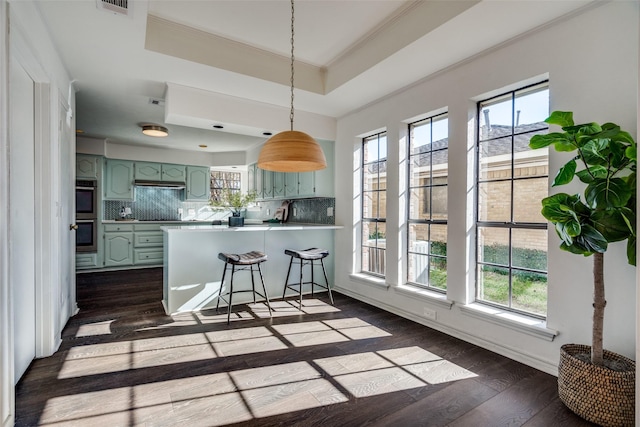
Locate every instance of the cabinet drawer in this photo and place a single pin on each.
(118, 227)
(148, 227)
(144, 239)
(147, 256)
(86, 261)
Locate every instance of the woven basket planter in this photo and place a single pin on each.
(597, 394)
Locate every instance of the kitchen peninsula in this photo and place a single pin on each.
(192, 270)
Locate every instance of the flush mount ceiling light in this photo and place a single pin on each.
(291, 150)
(155, 130)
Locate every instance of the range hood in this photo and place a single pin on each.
(159, 184)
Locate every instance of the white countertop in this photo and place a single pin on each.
(251, 227)
(137, 221)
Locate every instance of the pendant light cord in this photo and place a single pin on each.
(292, 59)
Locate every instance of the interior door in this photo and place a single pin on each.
(22, 216)
(67, 240)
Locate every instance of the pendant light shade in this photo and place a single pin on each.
(291, 150)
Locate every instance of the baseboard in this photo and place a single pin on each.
(506, 351)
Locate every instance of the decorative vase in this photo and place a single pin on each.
(236, 221)
(597, 393)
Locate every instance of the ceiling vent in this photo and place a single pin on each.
(119, 7)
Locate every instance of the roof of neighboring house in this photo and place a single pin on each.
(490, 142)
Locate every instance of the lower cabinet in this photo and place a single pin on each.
(118, 248)
(147, 248)
(86, 261)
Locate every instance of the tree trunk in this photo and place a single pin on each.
(599, 304)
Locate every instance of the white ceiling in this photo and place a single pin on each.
(350, 53)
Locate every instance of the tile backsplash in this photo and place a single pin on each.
(165, 204)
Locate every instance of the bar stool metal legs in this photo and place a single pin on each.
(244, 262)
(306, 257)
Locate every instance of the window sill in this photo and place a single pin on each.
(425, 294)
(367, 279)
(528, 325)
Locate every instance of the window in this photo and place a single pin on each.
(374, 203)
(223, 180)
(427, 212)
(512, 179)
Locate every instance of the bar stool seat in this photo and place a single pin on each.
(239, 262)
(307, 257)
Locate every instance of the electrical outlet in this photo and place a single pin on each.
(268, 211)
(295, 212)
(330, 211)
(429, 313)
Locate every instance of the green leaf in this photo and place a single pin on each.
(595, 152)
(574, 249)
(544, 140)
(588, 175)
(611, 193)
(631, 251)
(592, 240)
(565, 174)
(560, 118)
(624, 136)
(614, 224)
(632, 153)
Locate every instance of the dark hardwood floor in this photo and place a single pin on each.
(123, 362)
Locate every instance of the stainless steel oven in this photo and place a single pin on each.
(87, 235)
(86, 199)
(86, 216)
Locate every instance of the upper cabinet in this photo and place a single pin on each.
(198, 183)
(118, 180)
(86, 166)
(175, 173)
(285, 185)
(148, 170)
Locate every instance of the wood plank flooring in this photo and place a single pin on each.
(123, 362)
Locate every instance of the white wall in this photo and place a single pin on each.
(28, 42)
(591, 61)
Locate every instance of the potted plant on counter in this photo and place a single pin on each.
(596, 384)
(235, 201)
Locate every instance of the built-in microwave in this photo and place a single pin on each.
(86, 199)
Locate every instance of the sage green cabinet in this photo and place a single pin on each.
(175, 173)
(251, 178)
(118, 180)
(259, 182)
(291, 184)
(198, 183)
(86, 166)
(86, 260)
(118, 248)
(306, 184)
(148, 170)
(267, 184)
(279, 185)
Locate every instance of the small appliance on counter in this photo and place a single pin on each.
(282, 213)
(124, 214)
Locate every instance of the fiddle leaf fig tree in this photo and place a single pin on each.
(605, 160)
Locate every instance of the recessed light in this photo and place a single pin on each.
(218, 126)
(202, 146)
(267, 133)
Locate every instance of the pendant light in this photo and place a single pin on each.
(291, 150)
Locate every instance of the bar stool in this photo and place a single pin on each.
(306, 257)
(239, 262)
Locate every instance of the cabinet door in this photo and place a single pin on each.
(251, 178)
(259, 182)
(147, 170)
(290, 184)
(118, 180)
(198, 183)
(279, 185)
(175, 173)
(306, 184)
(118, 249)
(86, 167)
(267, 184)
